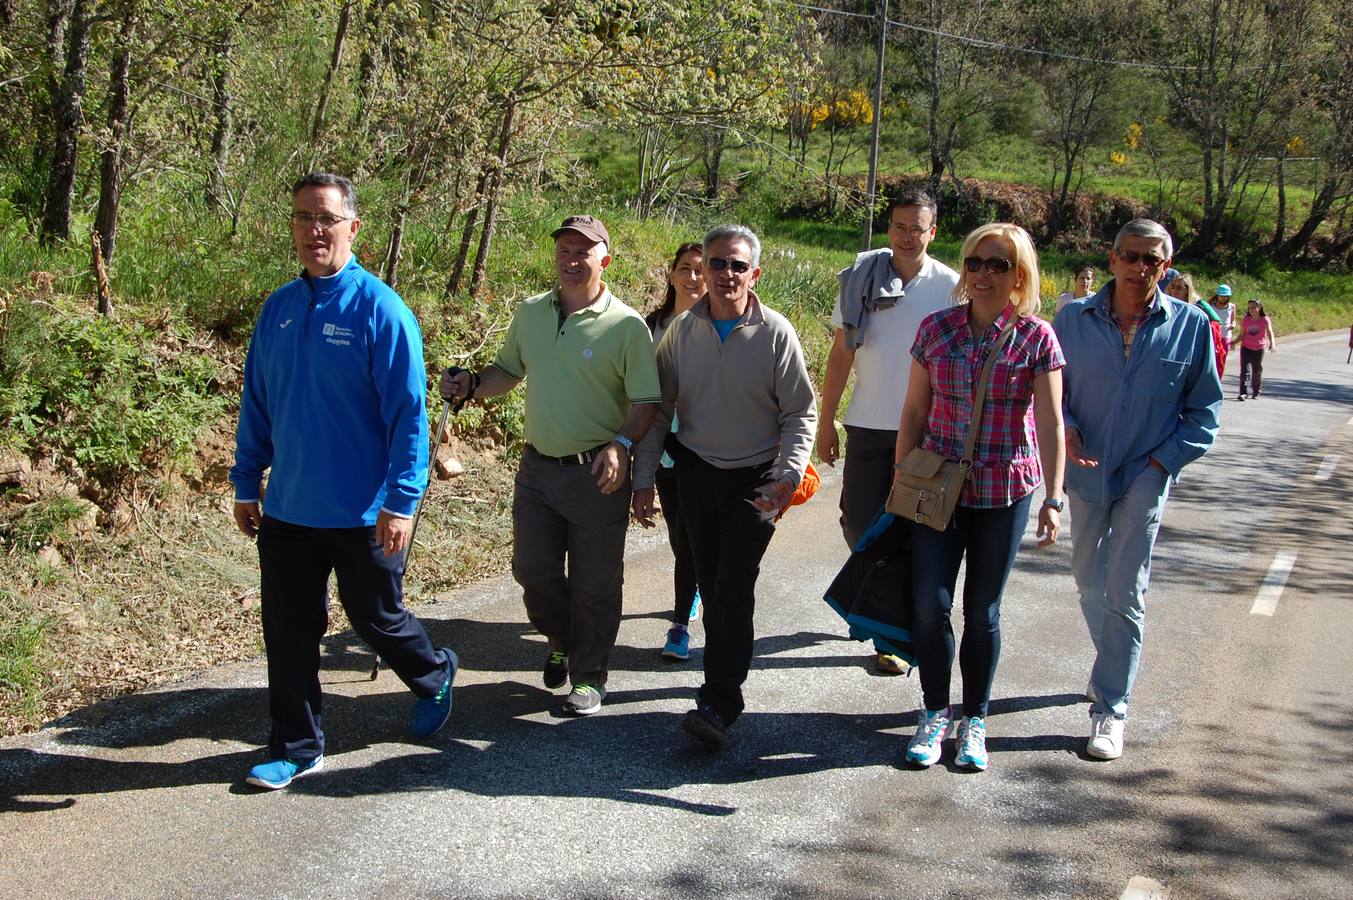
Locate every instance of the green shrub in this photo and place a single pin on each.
(118, 401)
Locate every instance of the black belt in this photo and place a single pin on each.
(573, 459)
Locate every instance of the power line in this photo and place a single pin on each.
(1011, 48)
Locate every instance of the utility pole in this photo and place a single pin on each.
(878, 116)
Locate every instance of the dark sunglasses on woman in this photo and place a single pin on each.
(995, 265)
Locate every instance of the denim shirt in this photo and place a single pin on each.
(1163, 401)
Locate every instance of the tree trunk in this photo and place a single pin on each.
(115, 155)
(9, 12)
(1281, 226)
(58, 18)
(481, 259)
(335, 60)
(1321, 205)
(714, 148)
(467, 234)
(223, 131)
(395, 249)
(69, 116)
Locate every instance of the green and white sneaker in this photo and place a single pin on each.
(584, 700)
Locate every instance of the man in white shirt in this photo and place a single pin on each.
(882, 300)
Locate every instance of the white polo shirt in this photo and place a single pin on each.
(883, 362)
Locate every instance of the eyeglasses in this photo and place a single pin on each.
(911, 230)
(739, 266)
(1132, 258)
(995, 265)
(323, 220)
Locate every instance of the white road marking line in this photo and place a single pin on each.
(1271, 588)
(1326, 467)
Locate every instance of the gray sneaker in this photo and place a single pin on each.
(584, 700)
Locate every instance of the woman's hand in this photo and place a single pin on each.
(1049, 526)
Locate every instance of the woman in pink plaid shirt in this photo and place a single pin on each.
(1019, 444)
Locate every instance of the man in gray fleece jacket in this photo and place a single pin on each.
(732, 370)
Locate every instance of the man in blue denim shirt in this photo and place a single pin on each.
(1141, 399)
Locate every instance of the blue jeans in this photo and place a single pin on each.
(989, 538)
(1111, 561)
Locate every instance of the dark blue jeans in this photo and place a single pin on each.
(683, 576)
(989, 539)
(295, 562)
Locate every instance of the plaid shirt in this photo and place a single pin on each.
(1129, 329)
(1005, 458)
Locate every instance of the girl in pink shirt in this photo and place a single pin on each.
(1256, 336)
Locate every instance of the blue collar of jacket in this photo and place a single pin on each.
(335, 282)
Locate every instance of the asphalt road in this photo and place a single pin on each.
(1235, 781)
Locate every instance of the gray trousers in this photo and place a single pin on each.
(866, 478)
(568, 549)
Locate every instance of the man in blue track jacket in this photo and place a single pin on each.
(334, 405)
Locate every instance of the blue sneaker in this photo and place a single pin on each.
(695, 607)
(429, 715)
(278, 773)
(972, 743)
(931, 729)
(678, 643)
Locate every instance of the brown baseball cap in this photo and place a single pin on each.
(589, 227)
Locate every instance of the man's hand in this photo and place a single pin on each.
(454, 386)
(611, 465)
(248, 516)
(828, 442)
(641, 504)
(1075, 450)
(392, 532)
(774, 496)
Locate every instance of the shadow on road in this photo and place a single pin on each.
(506, 738)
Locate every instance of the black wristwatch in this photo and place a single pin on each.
(1059, 505)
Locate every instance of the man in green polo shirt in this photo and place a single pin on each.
(591, 393)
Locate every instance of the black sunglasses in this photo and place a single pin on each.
(1132, 258)
(995, 265)
(718, 264)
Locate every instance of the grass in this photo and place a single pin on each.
(22, 646)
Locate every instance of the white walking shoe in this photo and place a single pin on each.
(931, 729)
(1106, 736)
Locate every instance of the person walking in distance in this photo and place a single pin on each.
(591, 393)
(1256, 337)
(882, 299)
(732, 371)
(685, 286)
(334, 409)
(1141, 401)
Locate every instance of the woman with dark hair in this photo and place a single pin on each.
(1082, 285)
(1256, 336)
(685, 285)
(1019, 445)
